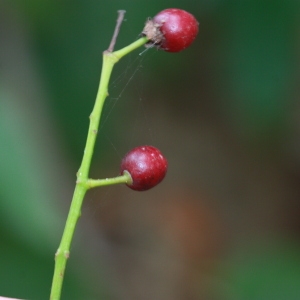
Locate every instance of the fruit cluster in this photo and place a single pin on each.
(171, 30)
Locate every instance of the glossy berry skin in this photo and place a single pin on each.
(147, 167)
(172, 29)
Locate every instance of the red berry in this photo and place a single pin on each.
(146, 165)
(172, 30)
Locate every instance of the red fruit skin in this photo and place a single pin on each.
(146, 165)
(179, 29)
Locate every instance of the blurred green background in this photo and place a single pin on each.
(224, 224)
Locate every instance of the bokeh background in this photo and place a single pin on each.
(224, 224)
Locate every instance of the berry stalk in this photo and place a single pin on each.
(83, 183)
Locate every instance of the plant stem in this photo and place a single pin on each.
(83, 183)
(117, 29)
(125, 178)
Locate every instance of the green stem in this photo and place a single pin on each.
(83, 183)
(124, 51)
(125, 178)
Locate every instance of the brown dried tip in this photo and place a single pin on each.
(153, 33)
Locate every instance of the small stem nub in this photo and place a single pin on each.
(117, 29)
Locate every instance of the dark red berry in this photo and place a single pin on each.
(147, 167)
(172, 30)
